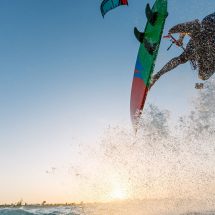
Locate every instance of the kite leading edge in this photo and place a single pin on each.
(108, 5)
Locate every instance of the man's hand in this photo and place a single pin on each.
(179, 42)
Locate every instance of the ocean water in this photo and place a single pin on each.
(144, 207)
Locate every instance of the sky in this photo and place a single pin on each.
(66, 75)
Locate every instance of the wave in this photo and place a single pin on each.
(42, 211)
(9, 211)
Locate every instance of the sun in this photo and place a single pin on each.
(118, 194)
(118, 189)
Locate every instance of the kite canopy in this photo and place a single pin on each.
(108, 5)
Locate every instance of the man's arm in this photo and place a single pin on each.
(179, 42)
(186, 27)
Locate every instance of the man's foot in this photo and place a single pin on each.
(199, 86)
(154, 78)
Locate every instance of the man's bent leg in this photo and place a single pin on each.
(205, 75)
(169, 66)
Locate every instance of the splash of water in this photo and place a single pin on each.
(161, 161)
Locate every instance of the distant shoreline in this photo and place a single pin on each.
(178, 201)
(40, 205)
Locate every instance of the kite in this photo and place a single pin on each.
(108, 5)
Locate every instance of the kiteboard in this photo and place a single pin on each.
(149, 46)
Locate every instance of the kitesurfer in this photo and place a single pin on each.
(199, 50)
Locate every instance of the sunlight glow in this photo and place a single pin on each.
(118, 194)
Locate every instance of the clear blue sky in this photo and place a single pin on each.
(66, 73)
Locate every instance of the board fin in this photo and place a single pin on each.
(139, 35)
(151, 16)
(150, 47)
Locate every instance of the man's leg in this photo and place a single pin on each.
(205, 74)
(188, 54)
(206, 67)
(169, 66)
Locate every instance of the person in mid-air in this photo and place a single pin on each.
(200, 48)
